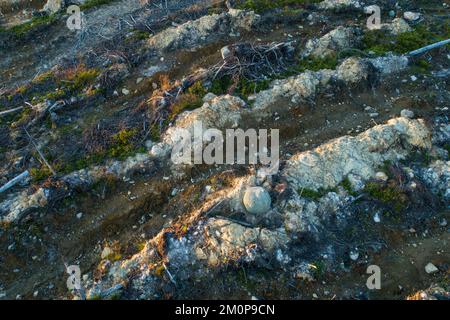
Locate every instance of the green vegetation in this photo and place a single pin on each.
(123, 144)
(263, 5)
(316, 64)
(21, 29)
(348, 187)
(94, 3)
(243, 88)
(382, 41)
(40, 174)
(389, 194)
(312, 194)
(183, 103)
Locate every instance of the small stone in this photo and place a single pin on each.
(381, 176)
(405, 113)
(257, 200)
(79, 215)
(431, 268)
(377, 218)
(149, 144)
(354, 255)
(374, 114)
(413, 78)
(125, 91)
(35, 294)
(139, 80)
(225, 51)
(411, 16)
(443, 223)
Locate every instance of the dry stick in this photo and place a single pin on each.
(14, 181)
(4, 113)
(428, 48)
(40, 153)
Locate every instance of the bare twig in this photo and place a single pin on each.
(14, 181)
(428, 48)
(40, 153)
(4, 113)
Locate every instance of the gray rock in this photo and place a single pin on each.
(405, 113)
(411, 16)
(431, 268)
(257, 200)
(53, 6)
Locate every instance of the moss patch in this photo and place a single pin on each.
(389, 194)
(264, 5)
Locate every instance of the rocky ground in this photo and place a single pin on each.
(88, 120)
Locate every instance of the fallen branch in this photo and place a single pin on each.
(4, 113)
(429, 47)
(40, 153)
(15, 181)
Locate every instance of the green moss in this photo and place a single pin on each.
(221, 85)
(382, 41)
(140, 35)
(388, 194)
(312, 194)
(155, 133)
(40, 174)
(243, 88)
(124, 145)
(24, 28)
(94, 3)
(264, 5)
(316, 64)
(183, 103)
(81, 79)
(246, 88)
(197, 89)
(347, 186)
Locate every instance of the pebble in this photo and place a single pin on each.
(354, 255)
(79, 215)
(431, 268)
(125, 91)
(374, 114)
(377, 218)
(411, 16)
(381, 176)
(405, 113)
(257, 200)
(413, 78)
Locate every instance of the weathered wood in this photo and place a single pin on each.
(6, 112)
(14, 181)
(428, 48)
(40, 153)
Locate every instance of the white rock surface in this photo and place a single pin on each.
(327, 166)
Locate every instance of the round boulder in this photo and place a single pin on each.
(257, 200)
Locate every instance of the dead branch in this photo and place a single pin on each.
(6, 112)
(14, 181)
(40, 153)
